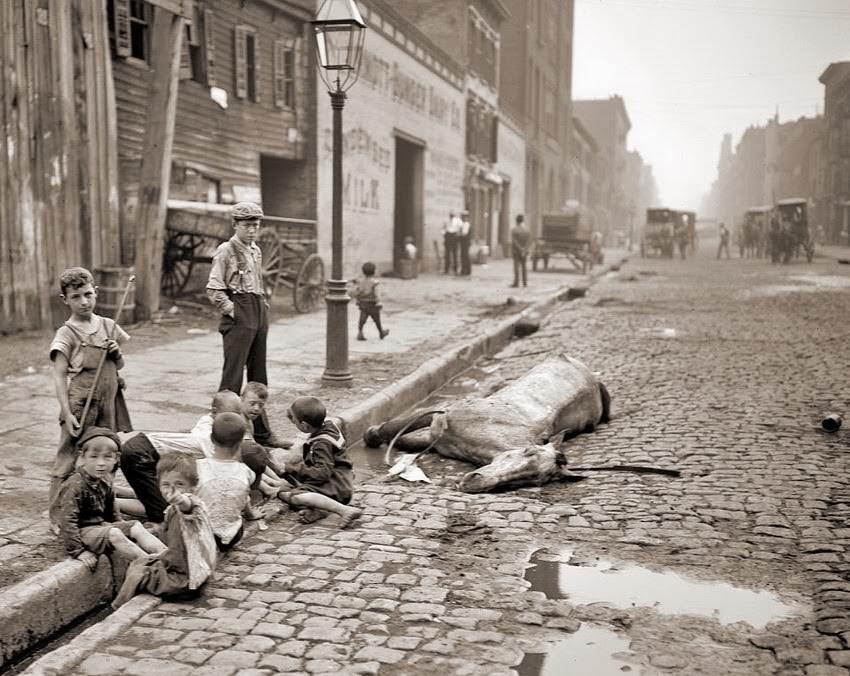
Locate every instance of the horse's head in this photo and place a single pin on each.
(529, 466)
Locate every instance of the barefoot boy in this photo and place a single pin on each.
(189, 561)
(325, 475)
(76, 351)
(89, 522)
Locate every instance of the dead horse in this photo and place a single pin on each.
(507, 434)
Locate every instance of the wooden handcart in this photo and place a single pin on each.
(568, 234)
(194, 230)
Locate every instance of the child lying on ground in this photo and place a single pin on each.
(89, 522)
(224, 482)
(141, 453)
(189, 561)
(325, 476)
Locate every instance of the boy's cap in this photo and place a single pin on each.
(228, 429)
(245, 211)
(92, 432)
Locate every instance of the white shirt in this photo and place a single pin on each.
(453, 226)
(196, 443)
(224, 486)
(464, 228)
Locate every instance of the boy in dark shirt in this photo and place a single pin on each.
(323, 479)
(366, 294)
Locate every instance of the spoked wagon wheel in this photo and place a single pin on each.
(178, 259)
(310, 284)
(269, 243)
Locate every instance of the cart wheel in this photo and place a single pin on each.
(269, 243)
(178, 259)
(309, 285)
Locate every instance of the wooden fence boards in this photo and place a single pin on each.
(52, 52)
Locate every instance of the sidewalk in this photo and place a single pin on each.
(170, 386)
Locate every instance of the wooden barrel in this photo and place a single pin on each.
(111, 282)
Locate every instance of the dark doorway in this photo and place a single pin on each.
(283, 188)
(409, 188)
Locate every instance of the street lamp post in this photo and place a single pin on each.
(339, 31)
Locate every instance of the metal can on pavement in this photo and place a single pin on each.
(831, 422)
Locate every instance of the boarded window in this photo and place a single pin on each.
(247, 64)
(284, 73)
(192, 58)
(119, 23)
(129, 33)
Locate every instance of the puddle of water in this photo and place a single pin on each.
(661, 332)
(591, 650)
(625, 586)
(824, 281)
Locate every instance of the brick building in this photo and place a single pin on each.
(470, 32)
(535, 88)
(403, 136)
(834, 202)
(608, 121)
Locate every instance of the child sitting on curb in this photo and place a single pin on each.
(224, 482)
(89, 521)
(365, 292)
(189, 561)
(324, 478)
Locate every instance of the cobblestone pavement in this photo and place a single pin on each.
(721, 369)
(170, 385)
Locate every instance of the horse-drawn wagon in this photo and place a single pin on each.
(195, 229)
(657, 236)
(569, 234)
(789, 230)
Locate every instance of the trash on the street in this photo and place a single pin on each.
(197, 332)
(831, 422)
(525, 326)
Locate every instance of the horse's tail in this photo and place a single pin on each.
(606, 403)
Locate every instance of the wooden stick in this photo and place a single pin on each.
(109, 334)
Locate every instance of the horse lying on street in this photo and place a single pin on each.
(512, 435)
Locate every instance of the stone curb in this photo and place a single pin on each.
(31, 622)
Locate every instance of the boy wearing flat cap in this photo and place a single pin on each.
(89, 521)
(237, 290)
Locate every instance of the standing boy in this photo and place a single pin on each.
(520, 244)
(325, 475)
(76, 352)
(366, 294)
(451, 231)
(237, 290)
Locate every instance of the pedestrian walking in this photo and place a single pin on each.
(451, 231)
(236, 288)
(464, 237)
(365, 292)
(520, 245)
(724, 241)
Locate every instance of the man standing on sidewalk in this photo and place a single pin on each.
(451, 230)
(463, 239)
(236, 288)
(520, 245)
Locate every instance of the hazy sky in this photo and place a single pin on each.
(690, 70)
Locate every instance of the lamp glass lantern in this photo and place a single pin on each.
(339, 30)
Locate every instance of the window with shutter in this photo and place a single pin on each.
(279, 77)
(240, 67)
(252, 66)
(209, 47)
(298, 74)
(121, 27)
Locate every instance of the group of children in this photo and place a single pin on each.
(195, 487)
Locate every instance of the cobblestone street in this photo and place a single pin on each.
(721, 369)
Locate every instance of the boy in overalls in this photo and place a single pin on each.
(76, 352)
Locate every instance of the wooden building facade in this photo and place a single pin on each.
(58, 178)
(244, 127)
